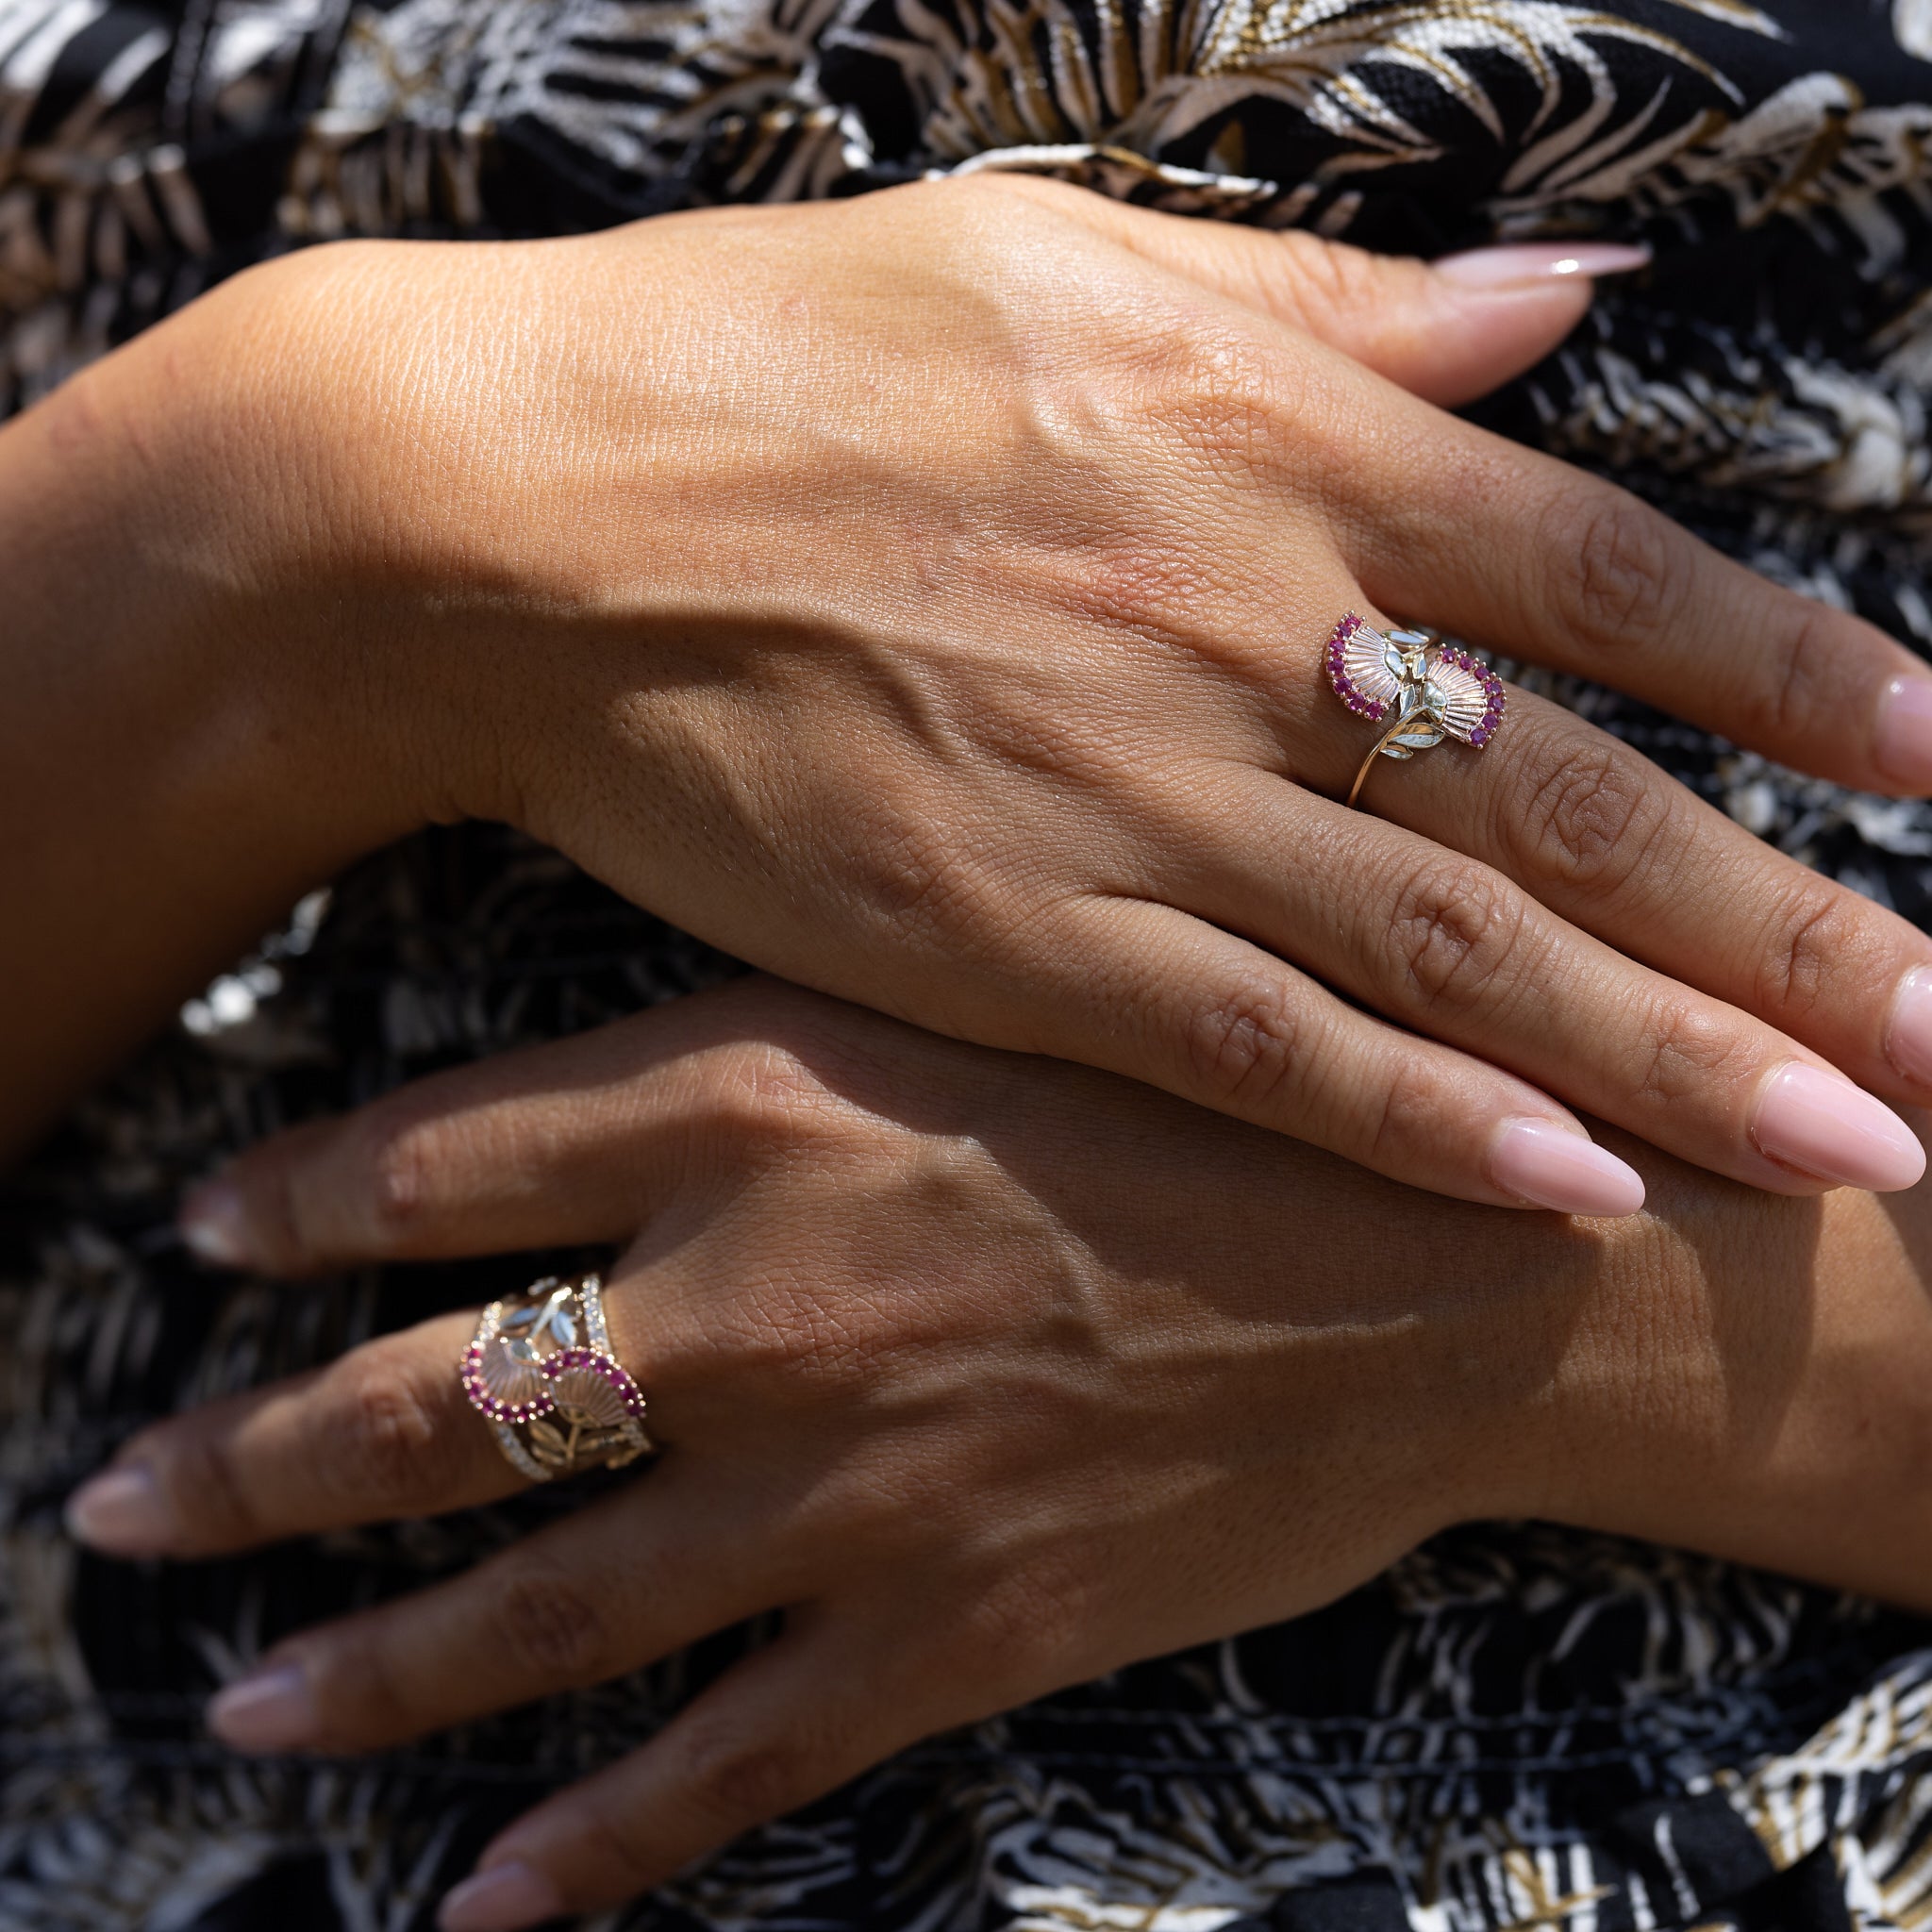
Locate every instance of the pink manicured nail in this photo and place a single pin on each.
(506, 1898)
(1539, 261)
(214, 1224)
(1822, 1125)
(1550, 1167)
(1909, 1037)
(271, 1711)
(1902, 743)
(121, 1512)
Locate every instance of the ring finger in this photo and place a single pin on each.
(1445, 944)
(387, 1432)
(1599, 835)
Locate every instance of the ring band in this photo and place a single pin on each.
(1448, 695)
(541, 1373)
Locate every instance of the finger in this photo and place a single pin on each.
(1156, 992)
(498, 1157)
(662, 1562)
(1438, 941)
(794, 1721)
(1448, 331)
(1547, 563)
(1596, 832)
(576, 1141)
(384, 1432)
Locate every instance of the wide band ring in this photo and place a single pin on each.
(1419, 688)
(541, 1373)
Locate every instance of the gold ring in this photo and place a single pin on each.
(541, 1373)
(1431, 697)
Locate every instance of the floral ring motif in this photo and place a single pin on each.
(539, 1371)
(1425, 690)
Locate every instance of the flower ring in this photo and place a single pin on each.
(541, 1373)
(1446, 694)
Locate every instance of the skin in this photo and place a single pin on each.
(951, 1368)
(923, 597)
(353, 544)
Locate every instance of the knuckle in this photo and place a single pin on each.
(1815, 935)
(1588, 814)
(1244, 1048)
(1797, 679)
(389, 1447)
(1687, 1050)
(1616, 567)
(1214, 387)
(1456, 926)
(551, 1625)
(1345, 281)
(733, 1773)
(920, 878)
(360, 1185)
(392, 1170)
(764, 1100)
(1408, 1116)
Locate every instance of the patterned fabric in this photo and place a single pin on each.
(1516, 1726)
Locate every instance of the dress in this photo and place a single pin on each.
(1516, 1726)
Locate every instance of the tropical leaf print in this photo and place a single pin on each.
(1516, 1726)
(1373, 77)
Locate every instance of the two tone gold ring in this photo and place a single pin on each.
(541, 1373)
(1421, 688)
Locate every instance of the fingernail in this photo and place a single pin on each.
(1902, 745)
(121, 1512)
(1550, 1167)
(1909, 1034)
(271, 1710)
(506, 1898)
(1529, 263)
(1822, 1125)
(214, 1224)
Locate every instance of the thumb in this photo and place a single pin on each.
(1447, 331)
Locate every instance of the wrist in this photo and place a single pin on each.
(1751, 1376)
(171, 783)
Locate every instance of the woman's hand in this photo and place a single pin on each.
(991, 1374)
(189, 739)
(923, 597)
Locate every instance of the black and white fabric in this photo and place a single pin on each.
(1514, 1727)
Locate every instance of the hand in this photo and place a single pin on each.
(240, 747)
(923, 597)
(992, 1375)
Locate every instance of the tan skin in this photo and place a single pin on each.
(991, 1373)
(923, 597)
(868, 1264)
